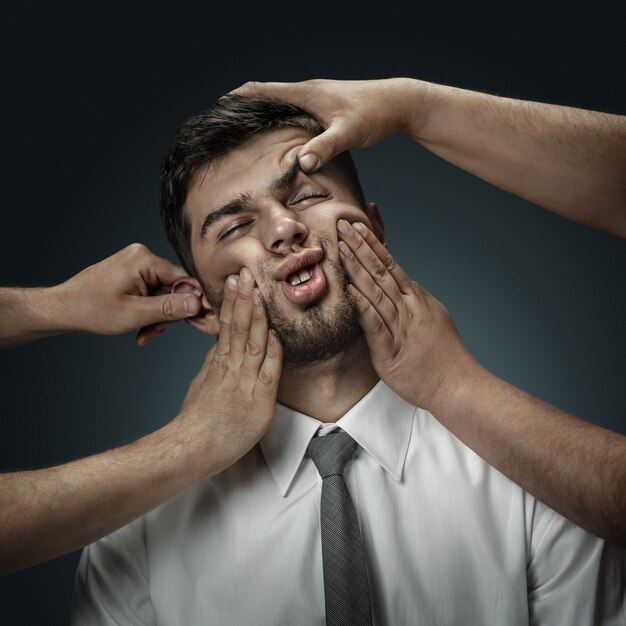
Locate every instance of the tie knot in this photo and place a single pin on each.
(331, 452)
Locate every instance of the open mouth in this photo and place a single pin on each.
(301, 276)
(306, 285)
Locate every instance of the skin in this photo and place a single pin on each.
(570, 161)
(130, 290)
(46, 513)
(276, 225)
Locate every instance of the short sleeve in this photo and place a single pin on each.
(576, 578)
(112, 584)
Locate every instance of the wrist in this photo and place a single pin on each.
(427, 102)
(418, 101)
(454, 390)
(189, 445)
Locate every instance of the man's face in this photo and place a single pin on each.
(255, 208)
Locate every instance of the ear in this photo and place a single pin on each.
(207, 320)
(376, 219)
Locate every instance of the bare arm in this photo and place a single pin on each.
(570, 161)
(576, 468)
(48, 512)
(127, 291)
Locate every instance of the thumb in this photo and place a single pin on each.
(321, 149)
(168, 308)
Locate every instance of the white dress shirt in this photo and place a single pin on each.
(449, 540)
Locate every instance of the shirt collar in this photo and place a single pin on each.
(380, 423)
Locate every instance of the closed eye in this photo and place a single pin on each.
(231, 230)
(309, 196)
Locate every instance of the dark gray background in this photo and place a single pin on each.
(91, 97)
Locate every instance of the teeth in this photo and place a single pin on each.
(301, 277)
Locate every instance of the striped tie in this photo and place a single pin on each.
(345, 571)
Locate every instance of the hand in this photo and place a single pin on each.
(356, 114)
(233, 397)
(126, 291)
(414, 345)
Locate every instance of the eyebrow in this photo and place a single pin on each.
(238, 205)
(286, 180)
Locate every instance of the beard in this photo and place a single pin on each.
(319, 332)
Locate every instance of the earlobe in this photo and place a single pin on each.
(376, 219)
(207, 319)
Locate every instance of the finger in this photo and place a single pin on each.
(153, 269)
(148, 333)
(166, 271)
(379, 338)
(370, 275)
(269, 374)
(257, 339)
(295, 93)
(375, 257)
(242, 316)
(320, 150)
(148, 310)
(226, 315)
(387, 307)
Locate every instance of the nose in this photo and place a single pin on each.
(284, 231)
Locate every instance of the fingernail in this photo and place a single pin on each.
(246, 274)
(231, 282)
(308, 162)
(343, 248)
(272, 337)
(343, 227)
(359, 226)
(190, 305)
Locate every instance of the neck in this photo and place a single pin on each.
(328, 389)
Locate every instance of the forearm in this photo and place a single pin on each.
(49, 512)
(570, 161)
(27, 314)
(574, 467)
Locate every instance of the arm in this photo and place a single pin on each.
(126, 291)
(229, 406)
(570, 161)
(574, 467)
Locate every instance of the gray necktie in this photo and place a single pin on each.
(345, 571)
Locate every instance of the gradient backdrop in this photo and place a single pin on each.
(91, 98)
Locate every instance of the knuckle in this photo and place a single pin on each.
(357, 241)
(168, 308)
(379, 325)
(390, 263)
(252, 348)
(265, 377)
(137, 249)
(238, 329)
(379, 269)
(379, 296)
(244, 293)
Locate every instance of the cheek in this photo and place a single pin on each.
(231, 258)
(325, 218)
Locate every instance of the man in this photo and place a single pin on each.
(447, 538)
(570, 161)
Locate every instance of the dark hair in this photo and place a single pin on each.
(212, 134)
